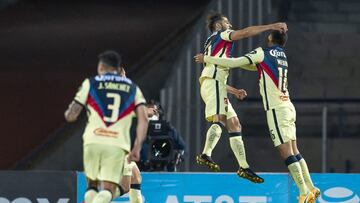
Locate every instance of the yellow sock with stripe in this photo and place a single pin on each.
(296, 173)
(135, 194)
(104, 196)
(305, 171)
(90, 195)
(237, 146)
(212, 137)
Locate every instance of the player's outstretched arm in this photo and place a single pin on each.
(73, 112)
(141, 130)
(255, 30)
(240, 94)
(241, 62)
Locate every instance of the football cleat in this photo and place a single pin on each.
(316, 192)
(247, 173)
(308, 198)
(204, 159)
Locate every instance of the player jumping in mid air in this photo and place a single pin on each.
(272, 66)
(214, 89)
(111, 101)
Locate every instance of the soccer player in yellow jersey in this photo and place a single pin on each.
(272, 66)
(111, 102)
(131, 177)
(214, 89)
(131, 180)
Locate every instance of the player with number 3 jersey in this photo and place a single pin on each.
(111, 101)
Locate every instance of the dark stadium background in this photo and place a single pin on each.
(48, 47)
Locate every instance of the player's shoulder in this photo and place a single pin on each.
(257, 51)
(225, 34)
(225, 31)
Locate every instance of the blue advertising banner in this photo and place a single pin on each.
(335, 188)
(228, 188)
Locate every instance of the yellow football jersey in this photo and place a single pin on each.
(219, 44)
(271, 64)
(110, 101)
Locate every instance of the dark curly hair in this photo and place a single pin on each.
(279, 38)
(213, 18)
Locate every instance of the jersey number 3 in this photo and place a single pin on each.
(113, 107)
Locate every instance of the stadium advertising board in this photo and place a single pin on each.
(344, 188)
(37, 187)
(228, 188)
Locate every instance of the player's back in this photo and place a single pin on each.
(273, 77)
(218, 44)
(111, 101)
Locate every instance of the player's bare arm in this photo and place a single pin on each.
(73, 112)
(141, 130)
(240, 94)
(255, 30)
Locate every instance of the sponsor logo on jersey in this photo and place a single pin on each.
(276, 53)
(105, 132)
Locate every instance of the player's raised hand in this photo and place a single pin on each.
(240, 94)
(282, 27)
(199, 58)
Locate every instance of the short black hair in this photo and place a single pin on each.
(279, 38)
(110, 58)
(213, 18)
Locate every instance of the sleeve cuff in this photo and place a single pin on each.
(206, 59)
(230, 36)
(76, 101)
(140, 104)
(250, 61)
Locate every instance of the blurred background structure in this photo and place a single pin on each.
(49, 47)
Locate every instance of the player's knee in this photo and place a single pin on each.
(92, 183)
(136, 178)
(124, 186)
(233, 125)
(285, 151)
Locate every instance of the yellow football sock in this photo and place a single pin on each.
(296, 173)
(90, 195)
(212, 137)
(135, 196)
(103, 196)
(237, 146)
(305, 171)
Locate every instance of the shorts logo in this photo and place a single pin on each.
(339, 194)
